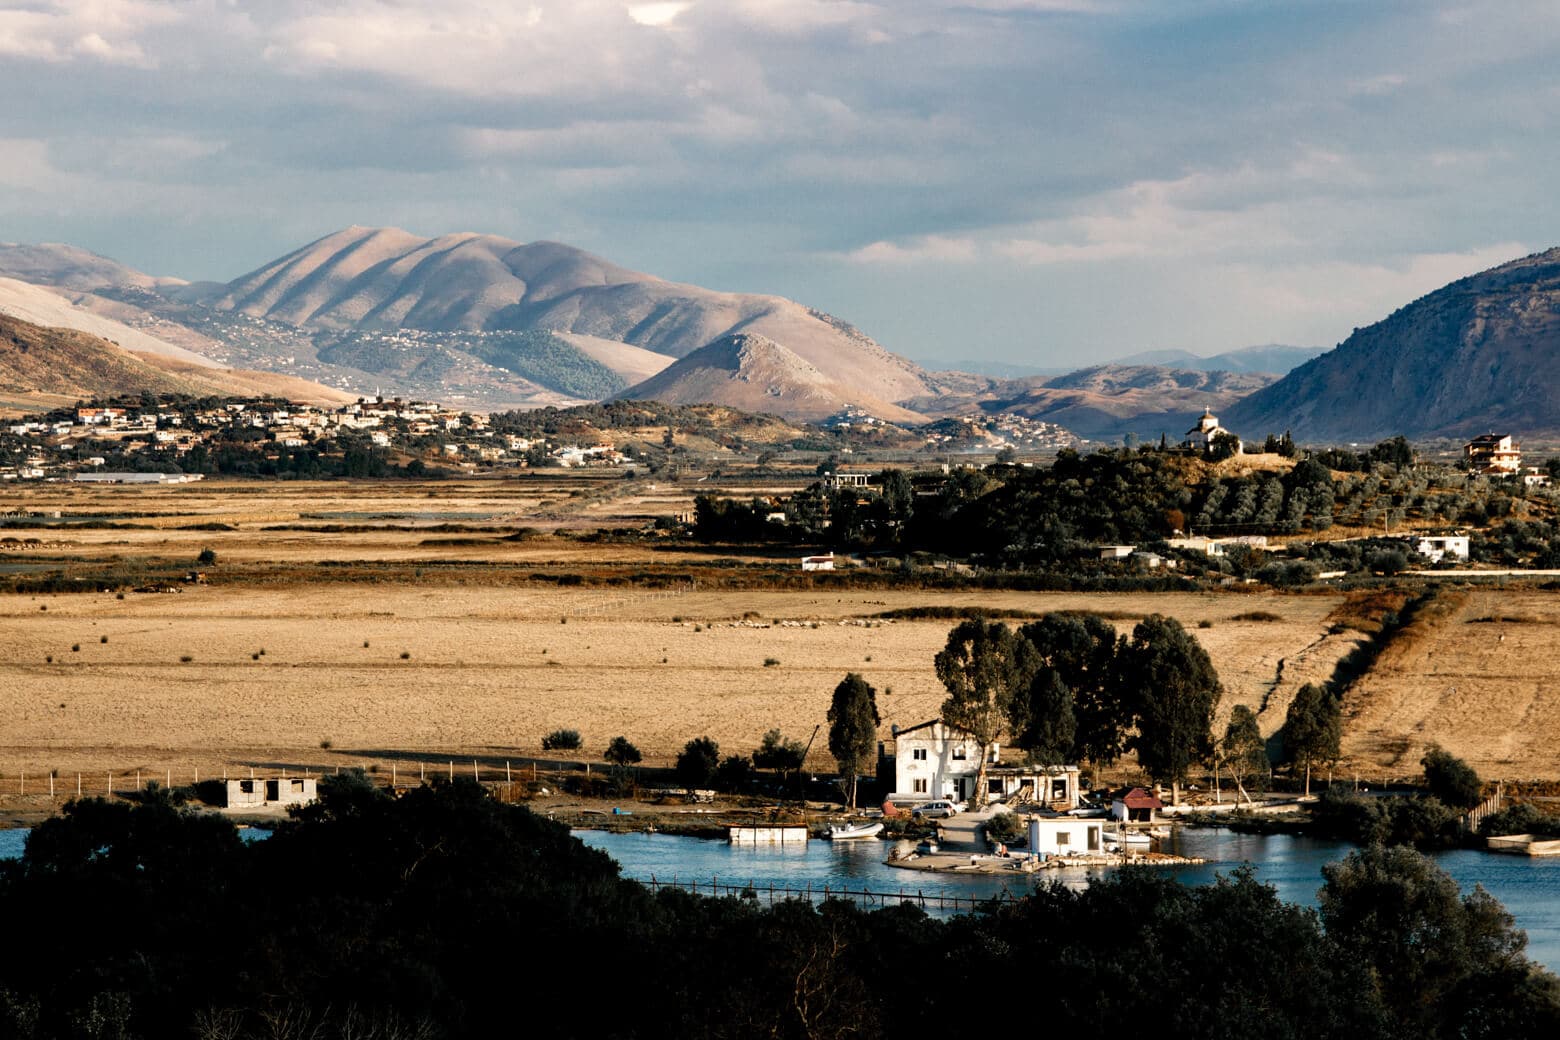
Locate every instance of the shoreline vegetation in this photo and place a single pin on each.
(413, 929)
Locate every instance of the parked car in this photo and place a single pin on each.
(934, 810)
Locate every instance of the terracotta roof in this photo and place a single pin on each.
(1137, 798)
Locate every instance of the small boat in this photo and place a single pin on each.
(1131, 839)
(850, 831)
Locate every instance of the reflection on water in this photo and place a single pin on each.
(1529, 888)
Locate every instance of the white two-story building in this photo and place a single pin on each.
(935, 760)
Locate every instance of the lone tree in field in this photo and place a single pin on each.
(1451, 780)
(784, 756)
(1081, 650)
(1313, 728)
(621, 753)
(853, 723)
(1243, 752)
(697, 763)
(984, 666)
(1167, 675)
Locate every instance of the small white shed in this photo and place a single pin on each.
(1065, 835)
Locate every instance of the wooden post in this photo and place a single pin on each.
(474, 774)
(111, 785)
(137, 779)
(392, 776)
(23, 789)
(421, 777)
(507, 778)
(51, 787)
(170, 779)
(78, 785)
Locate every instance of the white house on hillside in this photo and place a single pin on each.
(935, 760)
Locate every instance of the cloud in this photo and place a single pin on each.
(103, 31)
(1305, 167)
(928, 248)
(657, 14)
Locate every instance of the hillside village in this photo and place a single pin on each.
(100, 442)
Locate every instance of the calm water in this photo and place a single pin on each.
(1529, 888)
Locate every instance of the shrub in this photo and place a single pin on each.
(102, 639)
(406, 655)
(206, 558)
(1257, 615)
(75, 648)
(562, 740)
(186, 659)
(1205, 623)
(1451, 780)
(771, 662)
(326, 745)
(734, 773)
(1006, 828)
(698, 762)
(1523, 818)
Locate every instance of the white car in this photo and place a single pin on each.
(935, 810)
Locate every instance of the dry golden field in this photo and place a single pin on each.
(467, 656)
(1484, 683)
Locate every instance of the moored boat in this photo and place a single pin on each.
(851, 831)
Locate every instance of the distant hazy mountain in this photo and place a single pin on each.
(994, 369)
(67, 364)
(380, 279)
(756, 374)
(51, 263)
(1481, 354)
(1273, 357)
(1111, 400)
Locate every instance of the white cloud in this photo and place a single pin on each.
(657, 14)
(98, 30)
(938, 249)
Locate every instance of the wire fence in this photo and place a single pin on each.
(770, 894)
(630, 599)
(395, 776)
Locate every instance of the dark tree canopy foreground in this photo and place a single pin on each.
(445, 914)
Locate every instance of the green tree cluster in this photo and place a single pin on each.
(1065, 687)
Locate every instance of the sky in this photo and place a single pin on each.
(1040, 182)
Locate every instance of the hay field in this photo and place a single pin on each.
(489, 670)
(1484, 683)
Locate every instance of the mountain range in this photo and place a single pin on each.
(486, 322)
